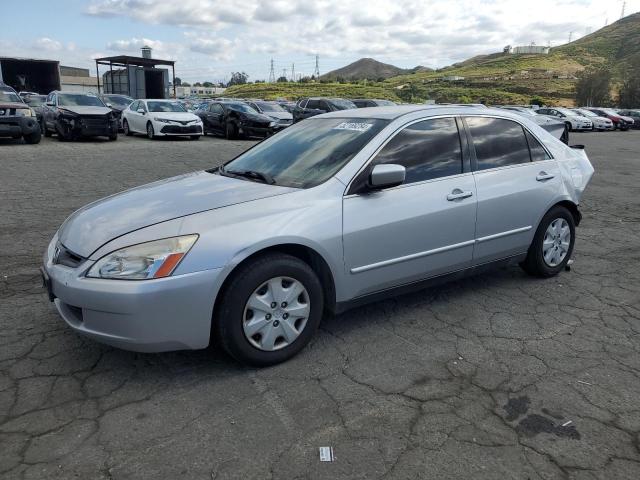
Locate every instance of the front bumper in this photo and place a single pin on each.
(583, 126)
(257, 131)
(172, 313)
(16, 127)
(175, 129)
(87, 127)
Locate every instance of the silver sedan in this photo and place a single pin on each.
(333, 212)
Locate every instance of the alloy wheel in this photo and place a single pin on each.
(557, 240)
(276, 313)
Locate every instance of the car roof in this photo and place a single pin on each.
(396, 111)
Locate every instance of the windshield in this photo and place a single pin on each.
(119, 100)
(241, 107)
(78, 100)
(523, 110)
(165, 107)
(35, 100)
(309, 152)
(7, 96)
(585, 113)
(566, 111)
(342, 104)
(269, 107)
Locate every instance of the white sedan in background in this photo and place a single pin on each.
(159, 118)
(573, 120)
(599, 123)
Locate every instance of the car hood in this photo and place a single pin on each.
(85, 110)
(13, 105)
(179, 116)
(92, 226)
(280, 115)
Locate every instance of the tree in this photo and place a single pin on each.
(207, 84)
(178, 81)
(197, 84)
(629, 95)
(282, 79)
(594, 88)
(238, 78)
(537, 101)
(184, 84)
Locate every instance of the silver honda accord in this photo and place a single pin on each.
(335, 211)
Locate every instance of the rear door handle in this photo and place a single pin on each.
(542, 176)
(458, 194)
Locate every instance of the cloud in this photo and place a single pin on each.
(209, 36)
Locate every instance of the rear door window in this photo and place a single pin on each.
(538, 153)
(498, 142)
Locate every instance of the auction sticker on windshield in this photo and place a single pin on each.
(357, 127)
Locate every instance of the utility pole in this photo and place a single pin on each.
(624, 6)
(272, 74)
(284, 73)
(293, 72)
(570, 36)
(316, 72)
(606, 22)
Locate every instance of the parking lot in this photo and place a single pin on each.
(501, 376)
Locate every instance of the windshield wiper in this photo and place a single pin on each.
(251, 174)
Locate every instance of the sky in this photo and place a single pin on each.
(209, 39)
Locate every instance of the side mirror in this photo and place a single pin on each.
(50, 104)
(141, 110)
(109, 105)
(386, 176)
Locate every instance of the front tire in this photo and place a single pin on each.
(125, 128)
(231, 131)
(151, 134)
(269, 311)
(552, 244)
(195, 137)
(33, 138)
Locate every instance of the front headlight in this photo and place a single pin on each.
(144, 261)
(272, 124)
(25, 112)
(162, 120)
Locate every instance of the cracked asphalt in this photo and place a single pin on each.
(500, 376)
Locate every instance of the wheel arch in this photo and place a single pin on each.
(569, 205)
(303, 252)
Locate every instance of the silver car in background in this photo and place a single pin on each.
(332, 212)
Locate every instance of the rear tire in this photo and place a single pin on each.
(113, 137)
(550, 249)
(45, 130)
(195, 137)
(272, 343)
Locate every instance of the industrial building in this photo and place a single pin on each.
(528, 50)
(137, 77)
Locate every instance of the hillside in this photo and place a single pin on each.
(494, 78)
(365, 69)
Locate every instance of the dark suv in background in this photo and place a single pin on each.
(17, 119)
(310, 107)
(117, 103)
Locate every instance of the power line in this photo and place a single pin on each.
(272, 74)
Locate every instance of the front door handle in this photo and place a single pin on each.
(458, 194)
(542, 176)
